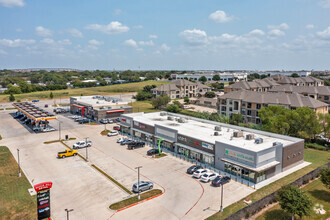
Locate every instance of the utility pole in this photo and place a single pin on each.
(19, 166)
(221, 207)
(67, 213)
(86, 148)
(138, 168)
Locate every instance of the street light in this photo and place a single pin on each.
(138, 168)
(86, 148)
(19, 167)
(221, 207)
(59, 130)
(67, 213)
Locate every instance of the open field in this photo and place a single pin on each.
(317, 158)
(143, 106)
(101, 90)
(318, 193)
(15, 200)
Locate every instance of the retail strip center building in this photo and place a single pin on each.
(249, 154)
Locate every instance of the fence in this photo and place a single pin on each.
(257, 206)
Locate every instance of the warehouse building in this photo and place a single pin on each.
(248, 154)
(98, 107)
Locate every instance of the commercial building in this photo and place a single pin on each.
(98, 107)
(248, 154)
(248, 103)
(180, 89)
(224, 77)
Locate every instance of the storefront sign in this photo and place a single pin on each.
(43, 199)
(165, 133)
(208, 146)
(182, 138)
(239, 155)
(137, 124)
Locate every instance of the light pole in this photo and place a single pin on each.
(221, 207)
(19, 167)
(86, 148)
(59, 130)
(138, 168)
(67, 213)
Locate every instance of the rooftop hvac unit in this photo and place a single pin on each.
(216, 133)
(249, 136)
(162, 113)
(97, 102)
(217, 128)
(109, 108)
(238, 134)
(228, 129)
(276, 143)
(181, 120)
(258, 140)
(170, 118)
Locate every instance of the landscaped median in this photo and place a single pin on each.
(55, 141)
(160, 155)
(104, 132)
(133, 200)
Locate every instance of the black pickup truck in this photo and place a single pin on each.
(134, 145)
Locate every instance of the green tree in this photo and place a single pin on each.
(230, 83)
(294, 201)
(325, 177)
(324, 120)
(236, 118)
(148, 88)
(216, 78)
(294, 75)
(14, 90)
(202, 79)
(173, 108)
(274, 120)
(209, 94)
(51, 96)
(178, 104)
(160, 101)
(11, 97)
(186, 99)
(143, 95)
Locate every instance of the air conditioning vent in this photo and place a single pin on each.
(163, 114)
(238, 134)
(217, 128)
(181, 120)
(170, 118)
(249, 136)
(258, 140)
(216, 133)
(276, 143)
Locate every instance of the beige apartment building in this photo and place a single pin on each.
(297, 81)
(260, 85)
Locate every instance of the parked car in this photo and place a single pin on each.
(36, 128)
(119, 140)
(198, 173)
(220, 180)
(18, 116)
(48, 129)
(207, 177)
(153, 151)
(82, 144)
(36, 100)
(104, 121)
(134, 145)
(142, 186)
(79, 118)
(23, 118)
(117, 120)
(110, 121)
(46, 106)
(128, 141)
(112, 133)
(193, 168)
(84, 120)
(117, 128)
(67, 153)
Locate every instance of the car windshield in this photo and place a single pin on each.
(205, 175)
(218, 178)
(197, 172)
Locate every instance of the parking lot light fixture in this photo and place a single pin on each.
(138, 185)
(221, 206)
(19, 166)
(59, 130)
(86, 149)
(67, 213)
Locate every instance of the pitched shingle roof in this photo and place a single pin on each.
(261, 83)
(320, 90)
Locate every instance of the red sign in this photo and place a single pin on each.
(41, 186)
(123, 119)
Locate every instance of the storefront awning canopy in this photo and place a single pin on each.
(258, 169)
(126, 126)
(194, 149)
(164, 139)
(134, 129)
(33, 112)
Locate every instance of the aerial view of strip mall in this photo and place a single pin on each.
(167, 110)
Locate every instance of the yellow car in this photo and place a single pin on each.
(67, 153)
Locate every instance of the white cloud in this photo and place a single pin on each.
(220, 17)
(95, 42)
(256, 32)
(275, 33)
(16, 43)
(324, 34)
(152, 36)
(146, 43)
(131, 43)
(113, 27)
(47, 41)
(138, 27)
(12, 3)
(75, 33)
(164, 47)
(3, 52)
(283, 26)
(325, 3)
(309, 26)
(194, 37)
(65, 42)
(43, 32)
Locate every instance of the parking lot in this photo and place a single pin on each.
(79, 186)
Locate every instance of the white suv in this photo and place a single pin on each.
(198, 173)
(207, 177)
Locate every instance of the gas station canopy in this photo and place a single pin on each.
(33, 112)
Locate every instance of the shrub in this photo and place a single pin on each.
(316, 146)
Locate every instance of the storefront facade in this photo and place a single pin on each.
(168, 137)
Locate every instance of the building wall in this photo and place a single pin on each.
(144, 127)
(195, 143)
(292, 155)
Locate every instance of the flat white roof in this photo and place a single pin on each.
(97, 102)
(204, 131)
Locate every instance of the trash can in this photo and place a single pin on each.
(66, 137)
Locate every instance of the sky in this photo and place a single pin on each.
(165, 35)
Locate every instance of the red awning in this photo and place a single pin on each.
(78, 106)
(115, 111)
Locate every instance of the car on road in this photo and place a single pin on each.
(153, 151)
(142, 186)
(198, 173)
(82, 144)
(67, 153)
(137, 144)
(117, 128)
(112, 133)
(36, 100)
(207, 177)
(193, 168)
(220, 180)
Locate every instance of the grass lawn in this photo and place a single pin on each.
(143, 106)
(132, 200)
(105, 132)
(317, 158)
(318, 193)
(15, 200)
(100, 90)
(160, 156)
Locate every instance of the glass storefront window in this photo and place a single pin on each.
(261, 176)
(149, 138)
(137, 134)
(208, 160)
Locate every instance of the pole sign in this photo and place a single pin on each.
(43, 199)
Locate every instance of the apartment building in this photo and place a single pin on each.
(180, 89)
(248, 103)
(298, 81)
(260, 85)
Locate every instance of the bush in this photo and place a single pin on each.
(143, 95)
(178, 104)
(173, 108)
(316, 146)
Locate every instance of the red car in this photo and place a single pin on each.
(116, 128)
